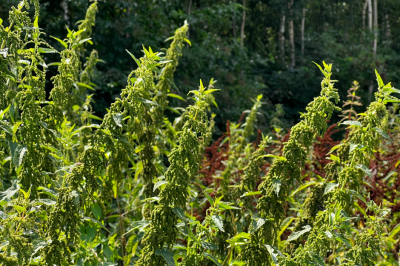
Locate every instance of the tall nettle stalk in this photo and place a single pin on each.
(286, 170)
(184, 164)
(238, 143)
(346, 170)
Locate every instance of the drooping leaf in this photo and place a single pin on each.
(159, 184)
(365, 169)
(118, 119)
(47, 202)
(179, 212)
(38, 244)
(256, 224)
(351, 123)
(317, 260)
(383, 134)
(329, 187)
(134, 58)
(306, 185)
(60, 41)
(276, 184)
(207, 245)
(285, 224)
(251, 193)
(167, 255)
(355, 193)
(11, 191)
(85, 86)
(297, 234)
(176, 96)
(394, 231)
(95, 222)
(19, 154)
(227, 207)
(212, 258)
(96, 210)
(274, 255)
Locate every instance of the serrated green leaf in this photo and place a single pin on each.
(82, 41)
(383, 134)
(38, 244)
(218, 222)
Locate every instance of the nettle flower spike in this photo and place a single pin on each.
(166, 76)
(73, 81)
(237, 143)
(286, 169)
(184, 163)
(347, 169)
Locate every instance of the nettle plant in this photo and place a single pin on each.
(128, 188)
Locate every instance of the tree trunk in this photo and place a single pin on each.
(129, 14)
(188, 13)
(64, 6)
(282, 39)
(303, 22)
(189, 7)
(375, 27)
(243, 23)
(291, 35)
(387, 30)
(234, 21)
(364, 13)
(370, 91)
(369, 15)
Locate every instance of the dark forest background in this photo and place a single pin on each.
(251, 47)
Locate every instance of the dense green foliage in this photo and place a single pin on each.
(334, 31)
(137, 187)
